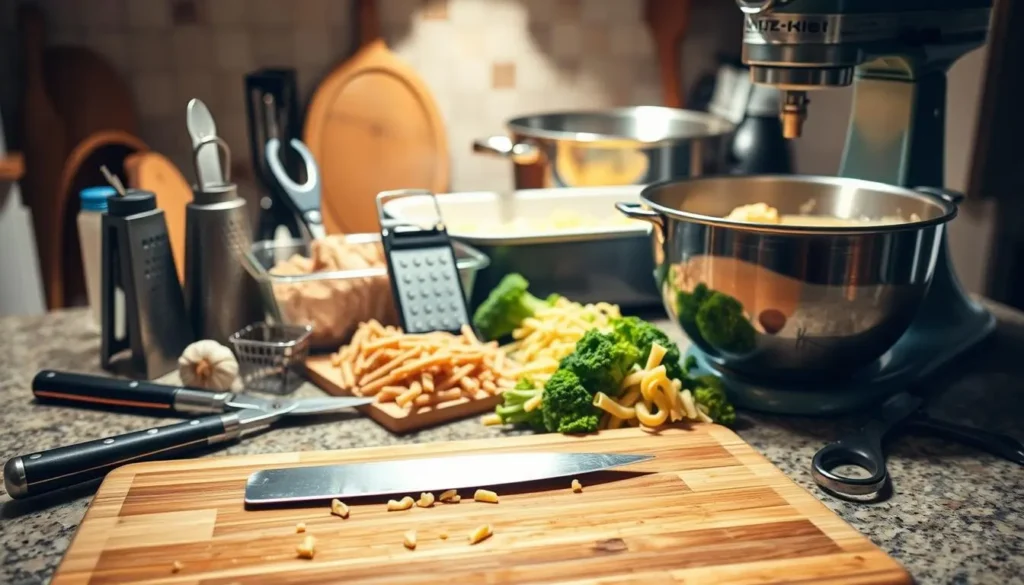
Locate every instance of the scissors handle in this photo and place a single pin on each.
(1003, 446)
(862, 449)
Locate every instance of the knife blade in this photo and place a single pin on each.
(413, 476)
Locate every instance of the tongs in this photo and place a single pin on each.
(231, 415)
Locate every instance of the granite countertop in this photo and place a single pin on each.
(955, 515)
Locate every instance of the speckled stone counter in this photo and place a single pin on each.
(955, 515)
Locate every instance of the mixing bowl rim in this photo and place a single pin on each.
(949, 208)
(717, 126)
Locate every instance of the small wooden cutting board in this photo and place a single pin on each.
(373, 126)
(706, 509)
(388, 414)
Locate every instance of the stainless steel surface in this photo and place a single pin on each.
(625, 146)
(201, 401)
(793, 113)
(15, 481)
(414, 476)
(587, 263)
(247, 420)
(817, 302)
(290, 406)
(221, 295)
(201, 127)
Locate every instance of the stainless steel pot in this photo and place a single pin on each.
(793, 302)
(627, 146)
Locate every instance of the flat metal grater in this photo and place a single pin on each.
(423, 271)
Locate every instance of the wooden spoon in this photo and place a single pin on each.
(669, 20)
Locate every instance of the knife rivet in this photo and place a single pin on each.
(194, 422)
(151, 432)
(50, 374)
(108, 441)
(133, 384)
(34, 456)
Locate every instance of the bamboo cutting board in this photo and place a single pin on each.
(388, 414)
(707, 509)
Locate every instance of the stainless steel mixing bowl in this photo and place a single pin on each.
(793, 302)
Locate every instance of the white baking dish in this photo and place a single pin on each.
(607, 258)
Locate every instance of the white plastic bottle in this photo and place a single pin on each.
(90, 236)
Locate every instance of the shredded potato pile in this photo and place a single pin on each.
(423, 369)
(551, 334)
(649, 398)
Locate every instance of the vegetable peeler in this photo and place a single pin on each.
(230, 415)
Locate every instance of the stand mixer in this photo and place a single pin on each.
(896, 55)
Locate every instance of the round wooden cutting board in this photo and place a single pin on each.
(372, 126)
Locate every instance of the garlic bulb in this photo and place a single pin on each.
(209, 365)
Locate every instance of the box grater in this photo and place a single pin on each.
(421, 265)
(137, 260)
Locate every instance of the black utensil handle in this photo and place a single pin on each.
(858, 450)
(38, 473)
(1003, 446)
(102, 391)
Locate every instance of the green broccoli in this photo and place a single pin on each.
(689, 364)
(689, 303)
(601, 361)
(567, 406)
(711, 395)
(643, 335)
(721, 322)
(507, 306)
(513, 410)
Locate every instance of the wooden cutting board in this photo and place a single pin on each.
(388, 414)
(372, 126)
(707, 509)
(669, 20)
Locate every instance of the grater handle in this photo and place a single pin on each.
(87, 390)
(46, 471)
(384, 196)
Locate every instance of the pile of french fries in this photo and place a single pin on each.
(422, 370)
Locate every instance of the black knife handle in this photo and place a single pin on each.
(38, 473)
(102, 391)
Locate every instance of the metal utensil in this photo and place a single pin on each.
(269, 353)
(68, 387)
(864, 449)
(46, 471)
(413, 476)
(202, 128)
(304, 199)
(822, 301)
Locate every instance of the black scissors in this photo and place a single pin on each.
(863, 449)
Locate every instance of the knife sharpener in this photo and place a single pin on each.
(423, 273)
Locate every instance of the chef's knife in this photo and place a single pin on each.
(85, 389)
(414, 476)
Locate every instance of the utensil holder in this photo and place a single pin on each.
(268, 354)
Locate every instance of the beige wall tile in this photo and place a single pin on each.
(192, 48)
(113, 46)
(103, 14)
(232, 49)
(148, 14)
(225, 12)
(273, 47)
(151, 51)
(154, 93)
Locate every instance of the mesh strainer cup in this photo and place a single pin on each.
(268, 356)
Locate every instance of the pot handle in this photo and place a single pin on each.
(520, 153)
(638, 211)
(954, 197)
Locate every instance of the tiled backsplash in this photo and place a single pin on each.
(485, 60)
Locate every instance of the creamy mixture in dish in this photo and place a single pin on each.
(557, 220)
(763, 213)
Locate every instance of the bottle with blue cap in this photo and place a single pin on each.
(90, 236)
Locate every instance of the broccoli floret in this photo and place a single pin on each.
(643, 335)
(711, 395)
(513, 409)
(601, 361)
(689, 303)
(721, 322)
(690, 364)
(567, 406)
(506, 307)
